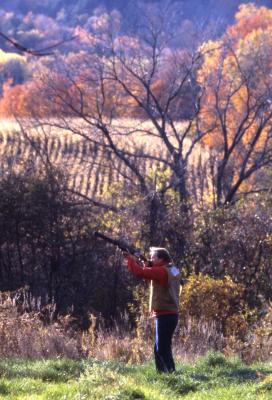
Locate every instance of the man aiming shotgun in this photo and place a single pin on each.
(164, 297)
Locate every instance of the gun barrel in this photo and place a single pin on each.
(121, 244)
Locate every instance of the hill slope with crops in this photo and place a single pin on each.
(79, 151)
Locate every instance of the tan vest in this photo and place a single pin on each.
(166, 297)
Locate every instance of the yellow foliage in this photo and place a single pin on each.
(218, 300)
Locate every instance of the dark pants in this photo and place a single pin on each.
(165, 327)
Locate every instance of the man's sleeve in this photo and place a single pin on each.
(157, 274)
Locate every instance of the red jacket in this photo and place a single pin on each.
(155, 273)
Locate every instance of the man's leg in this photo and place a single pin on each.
(165, 327)
(159, 362)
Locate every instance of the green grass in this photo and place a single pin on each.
(213, 377)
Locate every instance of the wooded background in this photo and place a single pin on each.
(156, 130)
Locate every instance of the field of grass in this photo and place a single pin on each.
(212, 377)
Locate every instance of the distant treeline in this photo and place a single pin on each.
(43, 23)
(191, 9)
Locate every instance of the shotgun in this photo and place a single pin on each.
(122, 245)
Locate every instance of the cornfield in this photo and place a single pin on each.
(78, 150)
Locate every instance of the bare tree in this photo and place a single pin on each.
(136, 96)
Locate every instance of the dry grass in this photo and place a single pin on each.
(191, 341)
(26, 335)
(258, 346)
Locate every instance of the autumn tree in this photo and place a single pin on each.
(236, 105)
(139, 74)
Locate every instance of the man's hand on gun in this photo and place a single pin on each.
(136, 254)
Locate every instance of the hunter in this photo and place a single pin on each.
(164, 301)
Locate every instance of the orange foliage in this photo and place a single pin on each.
(23, 100)
(14, 101)
(248, 19)
(236, 74)
(236, 105)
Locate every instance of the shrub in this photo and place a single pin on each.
(216, 300)
(236, 241)
(258, 346)
(214, 359)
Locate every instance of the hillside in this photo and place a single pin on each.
(39, 24)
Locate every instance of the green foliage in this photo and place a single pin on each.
(211, 377)
(179, 384)
(265, 385)
(47, 370)
(127, 394)
(214, 359)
